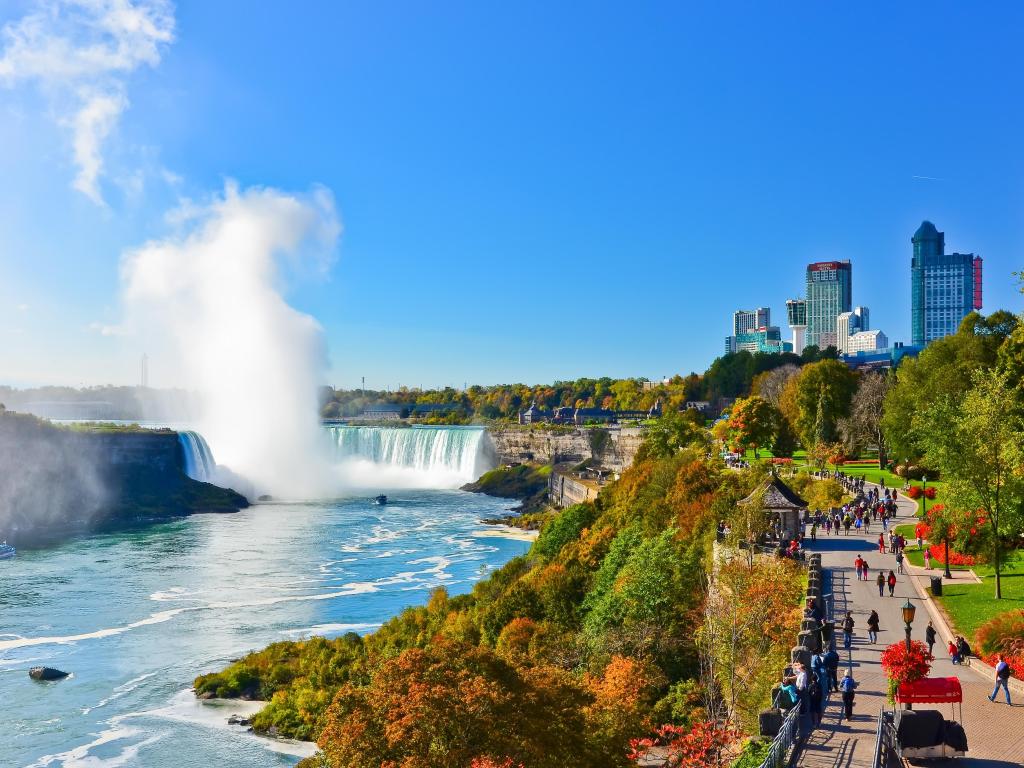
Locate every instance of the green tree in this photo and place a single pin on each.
(824, 392)
(669, 434)
(978, 445)
(866, 412)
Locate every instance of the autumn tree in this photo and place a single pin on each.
(978, 445)
(753, 422)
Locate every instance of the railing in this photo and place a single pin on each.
(883, 741)
(784, 741)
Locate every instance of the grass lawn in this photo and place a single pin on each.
(915, 556)
(971, 605)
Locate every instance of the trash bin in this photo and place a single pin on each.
(937, 586)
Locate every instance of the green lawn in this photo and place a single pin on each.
(915, 556)
(971, 605)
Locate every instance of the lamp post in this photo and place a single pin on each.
(908, 618)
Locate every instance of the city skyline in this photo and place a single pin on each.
(477, 188)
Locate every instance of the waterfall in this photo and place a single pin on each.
(199, 463)
(437, 456)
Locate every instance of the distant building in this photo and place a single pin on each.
(882, 358)
(744, 320)
(849, 323)
(385, 411)
(534, 415)
(944, 287)
(796, 314)
(829, 294)
(865, 341)
(767, 339)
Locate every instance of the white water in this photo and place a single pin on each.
(374, 458)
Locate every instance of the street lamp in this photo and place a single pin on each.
(908, 618)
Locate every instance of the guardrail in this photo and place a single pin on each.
(883, 741)
(784, 741)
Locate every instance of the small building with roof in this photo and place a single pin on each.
(782, 504)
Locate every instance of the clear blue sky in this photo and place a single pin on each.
(531, 191)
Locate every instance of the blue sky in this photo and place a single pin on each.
(529, 191)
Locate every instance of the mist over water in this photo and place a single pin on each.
(210, 300)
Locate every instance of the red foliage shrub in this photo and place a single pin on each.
(1003, 633)
(1016, 663)
(930, 493)
(938, 552)
(782, 461)
(702, 746)
(903, 666)
(914, 492)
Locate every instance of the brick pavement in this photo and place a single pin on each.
(995, 732)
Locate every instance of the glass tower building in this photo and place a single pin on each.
(829, 293)
(944, 287)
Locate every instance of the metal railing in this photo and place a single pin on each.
(883, 741)
(784, 741)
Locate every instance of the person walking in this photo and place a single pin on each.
(816, 697)
(1002, 680)
(892, 583)
(929, 636)
(899, 562)
(858, 565)
(928, 559)
(873, 627)
(847, 687)
(864, 568)
(881, 543)
(848, 631)
(954, 652)
(847, 522)
(831, 662)
(880, 581)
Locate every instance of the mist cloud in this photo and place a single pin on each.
(212, 296)
(81, 53)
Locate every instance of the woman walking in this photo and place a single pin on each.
(881, 543)
(873, 627)
(928, 559)
(899, 562)
(880, 581)
(892, 583)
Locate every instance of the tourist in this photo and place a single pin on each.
(880, 581)
(847, 522)
(828, 524)
(892, 583)
(928, 559)
(848, 631)
(801, 685)
(899, 562)
(831, 661)
(1002, 679)
(864, 567)
(929, 636)
(814, 531)
(963, 649)
(788, 697)
(816, 697)
(954, 654)
(858, 565)
(873, 627)
(881, 544)
(848, 686)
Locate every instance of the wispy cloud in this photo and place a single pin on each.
(81, 52)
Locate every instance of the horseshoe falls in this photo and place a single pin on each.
(410, 457)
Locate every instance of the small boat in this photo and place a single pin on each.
(7, 551)
(382, 499)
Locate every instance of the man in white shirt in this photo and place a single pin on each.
(1002, 680)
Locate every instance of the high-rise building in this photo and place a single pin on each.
(848, 324)
(796, 314)
(865, 341)
(829, 293)
(766, 339)
(944, 287)
(744, 320)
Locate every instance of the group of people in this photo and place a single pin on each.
(809, 688)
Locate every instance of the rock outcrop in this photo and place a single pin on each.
(611, 447)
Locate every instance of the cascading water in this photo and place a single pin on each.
(419, 456)
(199, 463)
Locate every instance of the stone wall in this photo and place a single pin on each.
(565, 490)
(612, 447)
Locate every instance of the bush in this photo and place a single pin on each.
(1001, 634)
(914, 492)
(930, 493)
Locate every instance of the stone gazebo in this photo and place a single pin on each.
(780, 503)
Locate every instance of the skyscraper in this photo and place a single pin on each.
(745, 320)
(944, 287)
(829, 293)
(848, 324)
(796, 313)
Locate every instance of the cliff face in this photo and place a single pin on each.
(611, 447)
(55, 482)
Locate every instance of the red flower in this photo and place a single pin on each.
(903, 666)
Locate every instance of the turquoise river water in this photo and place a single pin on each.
(135, 616)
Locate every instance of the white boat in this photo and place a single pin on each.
(7, 551)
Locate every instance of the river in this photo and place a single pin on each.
(135, 616)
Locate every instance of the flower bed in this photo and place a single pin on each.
(1016, 663)
(938, 552)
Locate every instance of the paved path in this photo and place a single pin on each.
(995, 732)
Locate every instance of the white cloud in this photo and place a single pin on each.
(108, 330)
(81, 52)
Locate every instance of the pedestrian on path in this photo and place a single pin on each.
(873, 627)
(864, 567)
(929, 636)
(899, 562)
(880, 581)
(848, 631)
(954, 653)
(881, 543)
(858, 564)
(847, 522)
(928, 559)
(848, 686)
(816, 696)
(892, 583)
(831, 662)
(1002, 680)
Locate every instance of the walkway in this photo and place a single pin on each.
(995, 732)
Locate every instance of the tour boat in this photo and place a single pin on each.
(6, 551)
(382, 499)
